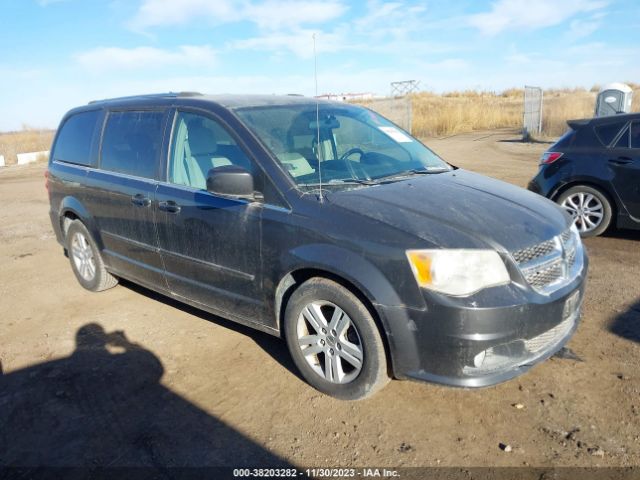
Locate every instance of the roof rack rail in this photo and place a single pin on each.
(149, 95)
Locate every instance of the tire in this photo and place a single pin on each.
(86, 262)
(329, 361)
(589, 207)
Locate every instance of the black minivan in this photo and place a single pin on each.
(323, 223)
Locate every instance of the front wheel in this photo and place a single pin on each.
(334, 341)
(590, 209)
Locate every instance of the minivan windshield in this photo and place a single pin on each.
(338, 144)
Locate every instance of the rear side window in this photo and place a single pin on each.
(607, 132)
(631, 136)
(635, 134)
(623, 141)
(131, 143)
(76, 137)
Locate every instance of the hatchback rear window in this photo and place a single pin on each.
(75, 139)
(131, 143)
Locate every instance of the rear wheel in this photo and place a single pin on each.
(590, 209)
(334, 340)
(86, 262)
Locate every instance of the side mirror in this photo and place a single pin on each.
(231, 181)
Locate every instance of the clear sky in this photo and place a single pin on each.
(57, 54)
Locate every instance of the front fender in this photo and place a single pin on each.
(398, 329)
(348, 265)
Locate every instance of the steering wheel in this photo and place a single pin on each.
(350, 152)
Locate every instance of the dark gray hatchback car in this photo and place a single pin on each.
(323, 223)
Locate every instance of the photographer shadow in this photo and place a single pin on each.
(101, 409)
(627, 323)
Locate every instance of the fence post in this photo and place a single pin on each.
(540, 119)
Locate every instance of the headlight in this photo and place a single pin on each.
(458, 272)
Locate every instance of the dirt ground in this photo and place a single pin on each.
(127, 377)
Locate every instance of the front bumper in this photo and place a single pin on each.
(477, 344)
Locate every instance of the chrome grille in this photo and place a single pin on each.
(530, 253)
(570, 247)
(540, 278)
(549, 265)
(571, 258)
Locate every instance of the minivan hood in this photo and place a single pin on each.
(438, 207)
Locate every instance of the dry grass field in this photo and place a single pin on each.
(457, 112)
(27, 140)
(452, 113)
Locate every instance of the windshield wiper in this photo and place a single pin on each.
(377, 180)
(408, 173)
(358, 181)
(346, 181)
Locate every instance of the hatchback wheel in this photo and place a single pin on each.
(589, 208)
(86, 262)
(334, 340)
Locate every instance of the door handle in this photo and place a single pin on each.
(169, 206)
(140, 200)
(621, 161)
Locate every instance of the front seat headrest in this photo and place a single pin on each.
(202, 140)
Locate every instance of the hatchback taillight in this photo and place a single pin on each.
(549, 157)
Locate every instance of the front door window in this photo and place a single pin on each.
(199, 145)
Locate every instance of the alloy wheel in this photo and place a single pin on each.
(586, 210)
(83, 258)
(330, 342)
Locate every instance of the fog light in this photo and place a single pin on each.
(496, 358)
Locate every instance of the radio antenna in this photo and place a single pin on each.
(319, 146)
